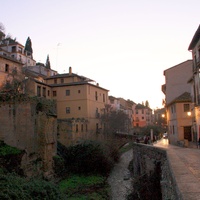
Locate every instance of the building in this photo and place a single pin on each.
(11, 48)
(13, 57)
(179, 119)
(142, 116)
(194, 47)
(177, 90)
(80, 103)
(9, 68)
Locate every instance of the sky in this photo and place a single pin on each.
(124, 45)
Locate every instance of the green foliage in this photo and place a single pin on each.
(8, 150)
(88, 157)
(15, 187)
(78, 182)
(59, 165)
(28, 46)
(85, 187)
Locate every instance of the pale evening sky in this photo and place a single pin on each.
(124, 45)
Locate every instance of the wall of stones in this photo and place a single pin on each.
(144, 159)
(29, 127)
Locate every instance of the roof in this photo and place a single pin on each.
(195, 39)
(10, 41)
(74, 84)
(178, 65)
(185, 97)
(68, 75)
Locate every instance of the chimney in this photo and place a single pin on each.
(70, 70)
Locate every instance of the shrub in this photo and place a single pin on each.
(59, 165)
(10, 158)
(8, 150)
(88, 157)
(15, 187)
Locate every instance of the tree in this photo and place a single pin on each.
(2, 31)
(115, 121)
(2, 28)
(48, 65)
(15, 84)
(28, 47)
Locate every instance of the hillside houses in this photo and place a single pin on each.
(80, 102)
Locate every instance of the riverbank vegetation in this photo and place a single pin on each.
(81, 172)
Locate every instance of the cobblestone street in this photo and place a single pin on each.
(119, 179)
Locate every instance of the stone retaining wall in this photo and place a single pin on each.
(144, 159)
(30, 126)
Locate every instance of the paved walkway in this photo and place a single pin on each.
(185, 163)
(119, 179)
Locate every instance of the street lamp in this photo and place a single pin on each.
(189, 113)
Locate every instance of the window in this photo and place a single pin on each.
(62, 80)
(67, 110)
(55, 81)
(67, 92)
(81, 127)
(136, 112)
(48, 93)
(38, 91)
(96, 97)
(186, 107)
(44, 92)
(142, 111)
(54, 94)
(6, 68)
(79, 91)
(13, 48)
(79, 108)
(76, 127)
(19, 49)
(103, 97)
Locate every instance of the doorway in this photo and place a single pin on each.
(187, 133)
